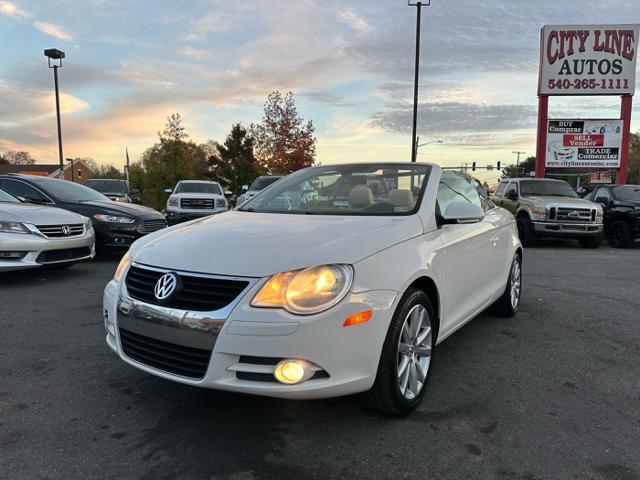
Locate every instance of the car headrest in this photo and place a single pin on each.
(401, 198)
(360, 196)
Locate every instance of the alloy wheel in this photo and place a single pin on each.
(414, 352)
(516, 283)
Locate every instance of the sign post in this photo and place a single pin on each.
(586, 60)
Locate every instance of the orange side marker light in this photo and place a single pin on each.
(357, 318)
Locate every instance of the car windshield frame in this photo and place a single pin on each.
(564, 189)
(61, 190)
(98, 184)
(305, 175)
(213, 186)
(634, 189)
(270, 179)
(8, 198)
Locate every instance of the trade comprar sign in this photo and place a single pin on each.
(584, 143)
(588, 59)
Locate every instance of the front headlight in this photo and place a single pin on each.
(539, 213)
(87, 224)
(173, 201)
(113, 218)
(13, 227)
(305, 292)
(122, 267)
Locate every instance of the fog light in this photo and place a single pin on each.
(12, 255)
(290, 371)
(108, 325)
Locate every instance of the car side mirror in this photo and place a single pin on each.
(460, 212)
(245, 188)
(228, 193)
(512, 195)
(168, 190)
(134, 191)
(602, 200)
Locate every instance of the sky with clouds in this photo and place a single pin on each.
(132, 63)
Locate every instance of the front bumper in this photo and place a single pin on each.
(244, 339)
(178, 216)
(45, 251)
(568, 229)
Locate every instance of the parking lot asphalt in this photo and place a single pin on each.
(553, 393)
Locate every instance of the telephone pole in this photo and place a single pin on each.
(518, 157)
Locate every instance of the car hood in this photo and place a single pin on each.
(260, 244)
(564, 201)
(37, 214)
(197, 195)
(125, 208)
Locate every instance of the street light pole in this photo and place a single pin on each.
(55, 54)
(414, 142)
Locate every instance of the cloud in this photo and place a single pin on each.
(194, 53)
(53, 30)
(456, 117)
(354, 20)
(11, 10)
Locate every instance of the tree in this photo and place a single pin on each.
(17, 158)
(164, 164)
(284, 143)
(107, 170)
(233, 163)
(634, 158)
(522, 170)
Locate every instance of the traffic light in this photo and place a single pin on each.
(498, 166)
(473, 167)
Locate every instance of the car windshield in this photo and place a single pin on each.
(365, 189)
(548, 188)
(194, 187)
(261, 183)
(7, 197)
(627, 193)
(107, 186)
(70, 192)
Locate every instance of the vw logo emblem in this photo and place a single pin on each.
(165, 286)
(66, 230)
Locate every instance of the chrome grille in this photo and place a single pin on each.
(149, 226)
(194, 293)
(61, 231)
(568, 214)
(197, 203)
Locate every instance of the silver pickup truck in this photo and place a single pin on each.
(550, 208)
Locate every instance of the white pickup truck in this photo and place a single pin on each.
(194, 199)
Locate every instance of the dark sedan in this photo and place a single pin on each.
(621, 205)
(117, 225)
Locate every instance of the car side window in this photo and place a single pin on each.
(455, 186)
(501, 189)
(21, 189)
(603, 193)
(513, 187)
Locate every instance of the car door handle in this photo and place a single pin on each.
(494, 241)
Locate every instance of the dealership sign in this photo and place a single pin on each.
(588, 59)
(584, 143)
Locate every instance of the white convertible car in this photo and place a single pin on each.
(344, 291)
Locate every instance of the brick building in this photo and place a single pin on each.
(80, 172)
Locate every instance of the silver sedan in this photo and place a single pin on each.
(36, 235)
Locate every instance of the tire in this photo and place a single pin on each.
(525, 231)
(590, 242)
(401, 351)
(620, 234)
(507, 305)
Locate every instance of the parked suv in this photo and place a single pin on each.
(114, 189)
(621, 204)
(550, 208)
(194, 199)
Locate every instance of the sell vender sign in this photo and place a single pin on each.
(588, 59)
(579, 143)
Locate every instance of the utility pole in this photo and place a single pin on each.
(414, 140)
(518, 157)
(127, 165)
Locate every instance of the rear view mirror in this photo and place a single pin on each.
(462, 212)
(168, 190)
